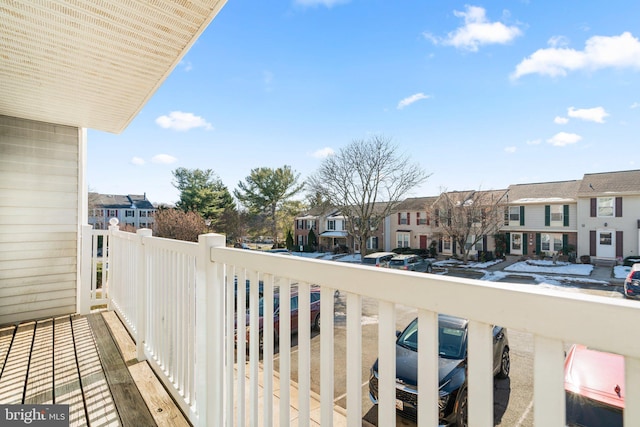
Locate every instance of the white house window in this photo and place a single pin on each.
(311, 224)
(98, 212)
(372, 243)
(605, 239)
(112, 212)
(143, 214)
(605, 206)
(129, 213)
(516, 242)
(550, 242)
(514, 213)
(403, 240)
(404, 218)
(300, 240)
(446, 244)
(422, 218)
(557, 214)
(331, 224)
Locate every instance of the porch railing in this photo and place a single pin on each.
(179, 299)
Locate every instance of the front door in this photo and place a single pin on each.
(516, 243)
(423, 242)
(606, 244)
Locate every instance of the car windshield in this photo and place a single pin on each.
(396, 262)
(371, 261)
(582, 411)
(451, 345)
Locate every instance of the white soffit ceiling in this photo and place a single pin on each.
(92, 63)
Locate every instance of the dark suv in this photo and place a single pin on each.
(452, 355)
(632, 282)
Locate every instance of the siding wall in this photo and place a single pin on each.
(38, 219)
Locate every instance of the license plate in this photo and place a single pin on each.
(399, 405)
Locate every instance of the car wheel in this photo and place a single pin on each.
(461, 408)
(316, 323)
(505, 364)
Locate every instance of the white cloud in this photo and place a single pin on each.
(634, 105)
(163, 159)
(326, 3)
(560, 120)
(411, 99)
(177, 120)
(621, 51)
(323, 153)
(563, 138)
(186, 66)
(510, 149)
(596, 114)
(477, 31)
(137, 161)
(534, 141)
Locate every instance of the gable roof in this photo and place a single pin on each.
(93, 64)
(544, 192)
(118, 201)
(622, 182)
(415, 204)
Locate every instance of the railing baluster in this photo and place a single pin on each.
(239, 278)
(304, 354)
(267, 351)
(480, 374)
(354, 359)
(326, 355)
(386, 364)
(254, 350)
(427, 368)
(229, 346)
(284, 349)
(548, 383)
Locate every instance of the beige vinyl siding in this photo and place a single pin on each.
(38, 219)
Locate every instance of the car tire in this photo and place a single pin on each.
(316, 323)
(505, 364)
(462, 408)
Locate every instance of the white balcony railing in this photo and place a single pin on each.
(178, 299)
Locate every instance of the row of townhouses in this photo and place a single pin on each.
(131, 209)
(598, 216)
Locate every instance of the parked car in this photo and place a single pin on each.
(594, 387)
(248, 285)
(452, 354)
(411, 263)
(314, 296)
(632, 282)
(281, 251)
(378, 259)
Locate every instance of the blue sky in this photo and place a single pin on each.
(481, 94)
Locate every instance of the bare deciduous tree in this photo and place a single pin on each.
(466, 217)
(366, 180)
(180, 225)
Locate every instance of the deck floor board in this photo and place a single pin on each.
(75, 360)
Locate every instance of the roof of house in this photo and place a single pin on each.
(622, 182)
(117, 201)
(91, 64)
(544, 192)
(415, 204)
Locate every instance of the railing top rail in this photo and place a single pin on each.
(189, 248)
(570, 317)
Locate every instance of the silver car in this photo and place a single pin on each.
(411, 263)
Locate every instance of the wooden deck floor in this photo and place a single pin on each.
(88, 363)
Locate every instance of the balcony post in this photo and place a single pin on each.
(210, 320)
(85, 279)
(142, 287)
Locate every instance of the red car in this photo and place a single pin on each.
(314, 296)
(594, 385)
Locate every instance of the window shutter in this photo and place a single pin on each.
(547, 215)
(619, 244)
(565, 242)
(618, 207)
(538, 243)
(508, 239)
(417, 218)
(521, 215)
(408, 218)
(592, 242)
(484, 243)
(428, 218)
(594, 207)
(565, 215)
(525, 244)
(398, 218)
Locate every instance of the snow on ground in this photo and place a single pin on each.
(539, 266)
(621, 272)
